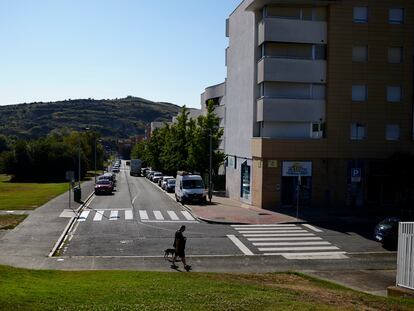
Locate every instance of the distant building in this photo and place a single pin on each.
(317, 93)
(193, 113)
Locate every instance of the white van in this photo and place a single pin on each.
(189, 188)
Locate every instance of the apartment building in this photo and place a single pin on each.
(216, 93)
(318, 94)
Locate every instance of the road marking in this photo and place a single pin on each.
(240, 245)
(285, 239)
(290, 243)
(143, 215)
(316, 248)
(303, 256)
(173, 215)
(187, 215)
(312, 228)
(129, 215)
(158, 215)
(98, 216)
(265, 225)
(172, 221)
(275, 231)
(114, 215)
(269, 228)
(278, 234)
(84, 215)
(133, 200)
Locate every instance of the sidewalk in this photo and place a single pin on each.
(227, 211)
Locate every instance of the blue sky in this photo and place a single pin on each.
(165, 50)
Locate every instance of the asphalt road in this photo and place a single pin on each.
(139, 221)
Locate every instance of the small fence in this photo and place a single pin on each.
(405, 257)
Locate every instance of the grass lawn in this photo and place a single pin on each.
(27, 196)
(129, 290)
(10, 221)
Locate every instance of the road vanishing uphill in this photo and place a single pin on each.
(131, 229)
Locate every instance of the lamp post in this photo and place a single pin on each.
(79, 162)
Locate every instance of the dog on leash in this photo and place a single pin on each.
(169, 251)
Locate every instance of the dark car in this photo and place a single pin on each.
(104, 186)
(386, 231)
(170, 187)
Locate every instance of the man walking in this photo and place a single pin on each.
(179, 245)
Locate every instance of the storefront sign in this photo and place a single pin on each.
(272, 163)
(230, 161)
(292, 168)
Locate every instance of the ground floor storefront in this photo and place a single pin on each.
(331, 183)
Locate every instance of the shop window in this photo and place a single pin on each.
(245, 181)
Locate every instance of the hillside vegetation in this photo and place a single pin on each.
(115, 118)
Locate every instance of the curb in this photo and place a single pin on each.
(68, 227)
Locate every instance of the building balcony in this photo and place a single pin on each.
(291, 70)
(290, 30)
(290, 110)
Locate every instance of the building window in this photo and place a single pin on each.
(395, 55)
(317, 130)
(360, 53)
(358, 131)
(392, 132)
(396, 16)
(394, 94)
(359, 93)
(361, 14)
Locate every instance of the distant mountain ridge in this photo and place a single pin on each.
(113, 118)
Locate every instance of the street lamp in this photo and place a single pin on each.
(210, 181)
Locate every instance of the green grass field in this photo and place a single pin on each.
(27, 196)
(129, 290)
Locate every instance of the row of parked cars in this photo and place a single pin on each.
(167, 183)
(187, 187)
(106, 183)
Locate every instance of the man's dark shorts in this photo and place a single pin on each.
(180, 253)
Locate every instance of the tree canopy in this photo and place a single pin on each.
(183, 145)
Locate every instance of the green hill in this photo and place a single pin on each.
(116, 118)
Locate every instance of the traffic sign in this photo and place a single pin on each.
(355, 175)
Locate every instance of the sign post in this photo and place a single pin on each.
(70, 176)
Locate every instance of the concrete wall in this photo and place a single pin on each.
(240, 92)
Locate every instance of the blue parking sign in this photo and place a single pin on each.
(356, 175)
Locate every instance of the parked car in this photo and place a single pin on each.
(170, 185)
(386, 231)
(189, 188)
(163, 181)
(115, 169)
(156, 176)
(149, 174)
(108, 176)
(103, 186)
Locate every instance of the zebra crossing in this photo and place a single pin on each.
(288, 240)
(143, 216)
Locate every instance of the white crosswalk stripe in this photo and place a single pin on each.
(98, 216)
(114, 215)
(173, 215)
(144, 216)
(187, 215)
(129, 215)
(83, 216)
(158, 215)
(289, 240)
